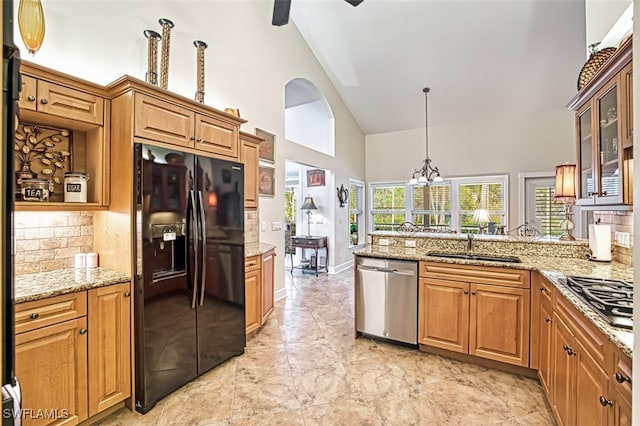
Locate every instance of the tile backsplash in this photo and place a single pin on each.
(45, 241)
(251, 226)
(620, 221)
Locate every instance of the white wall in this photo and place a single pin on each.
(247, 64)
(311, 125)
(600, 17)
(506, 144)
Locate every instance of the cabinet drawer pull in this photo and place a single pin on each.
(251, 264)
(44, 101)
(547, 319)
(127, 294)
(604, 401)
(31, 98)
(621, 379)
(34, 315)
(83, 331)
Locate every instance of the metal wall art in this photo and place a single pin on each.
(343, 195)
(200, 46)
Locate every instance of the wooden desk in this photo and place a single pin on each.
(315, 243)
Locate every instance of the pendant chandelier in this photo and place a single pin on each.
(427, 174)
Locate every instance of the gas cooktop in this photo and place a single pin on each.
(612, 299)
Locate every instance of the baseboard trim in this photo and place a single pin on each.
(343, 267)
(280, 294)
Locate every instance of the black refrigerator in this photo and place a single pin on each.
(189, 300)
(10, 91)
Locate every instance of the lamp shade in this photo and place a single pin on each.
(308, 204)
(31, 24)
(481, 216)
(566, 181)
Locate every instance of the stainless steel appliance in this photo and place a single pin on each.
(189, 310)
(10, 91)
(611, 299)
(387, 299)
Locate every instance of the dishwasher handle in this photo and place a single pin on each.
(387, 270)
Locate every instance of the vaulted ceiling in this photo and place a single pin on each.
(481, 58)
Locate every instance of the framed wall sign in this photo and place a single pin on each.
(267, 147)
(315, 177)
(266, 181)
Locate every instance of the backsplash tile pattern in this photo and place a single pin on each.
(46, 241)
(620, 221)
(251, 226)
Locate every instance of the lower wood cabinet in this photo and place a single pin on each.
(259, 289)
(71, 369)
(587, 379)
(476, 310)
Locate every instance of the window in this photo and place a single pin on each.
(387, 206)
(542, 210)
(356, 210)
(450, 205)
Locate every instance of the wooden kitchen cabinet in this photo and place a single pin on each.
(55, 100)
(580, 393)
(266, 284)
(545, 355)
(252, 293)
(81, 364)
(162, 120)
(477, 310)
(249, 156)
(109, 316)
(51, 360)
(259, 296)
(59, 100)
(620, 388)
(443, 314)
(604, 131)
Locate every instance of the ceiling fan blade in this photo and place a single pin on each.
(354, 3)
(281, 12)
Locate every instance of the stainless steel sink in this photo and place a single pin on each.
(472, 256)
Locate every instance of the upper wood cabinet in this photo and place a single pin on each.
(158, 115)
(477, 310)
(604, 133)
(249, 156)
(58, 101)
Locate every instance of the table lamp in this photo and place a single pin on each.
(308, 205)
(566, 189)
(481, 217)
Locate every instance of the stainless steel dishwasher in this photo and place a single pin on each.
(387, 299)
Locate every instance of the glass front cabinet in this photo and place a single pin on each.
(604, 134)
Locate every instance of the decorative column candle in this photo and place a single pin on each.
(166, 44)
(200, 46)
(152, 56)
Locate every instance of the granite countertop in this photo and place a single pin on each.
(555, 269)
(255, 249)
(42, 285)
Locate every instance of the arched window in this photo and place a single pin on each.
(308, 118)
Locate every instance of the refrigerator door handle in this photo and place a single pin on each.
(194, 224)
(203, 231)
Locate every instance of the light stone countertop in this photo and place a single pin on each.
(42, 285)
(255, 249)
(553, 268)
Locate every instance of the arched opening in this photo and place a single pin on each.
(308, 117)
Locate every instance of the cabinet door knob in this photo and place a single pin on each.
(198, 139)
(83, 331)
(541, 288)
(34, 315)
(473, 293)
(44, 101)
(604, 401)
(547, 319)
(31, 98)
(127, 294)
(193, 138)
(466, 292)
(621, 379)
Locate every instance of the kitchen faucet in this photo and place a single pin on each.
(470, 238)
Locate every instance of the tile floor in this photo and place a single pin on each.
(304, 367)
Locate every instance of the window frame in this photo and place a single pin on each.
(359, 211)
(454, 183)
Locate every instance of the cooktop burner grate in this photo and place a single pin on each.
(611, 299)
